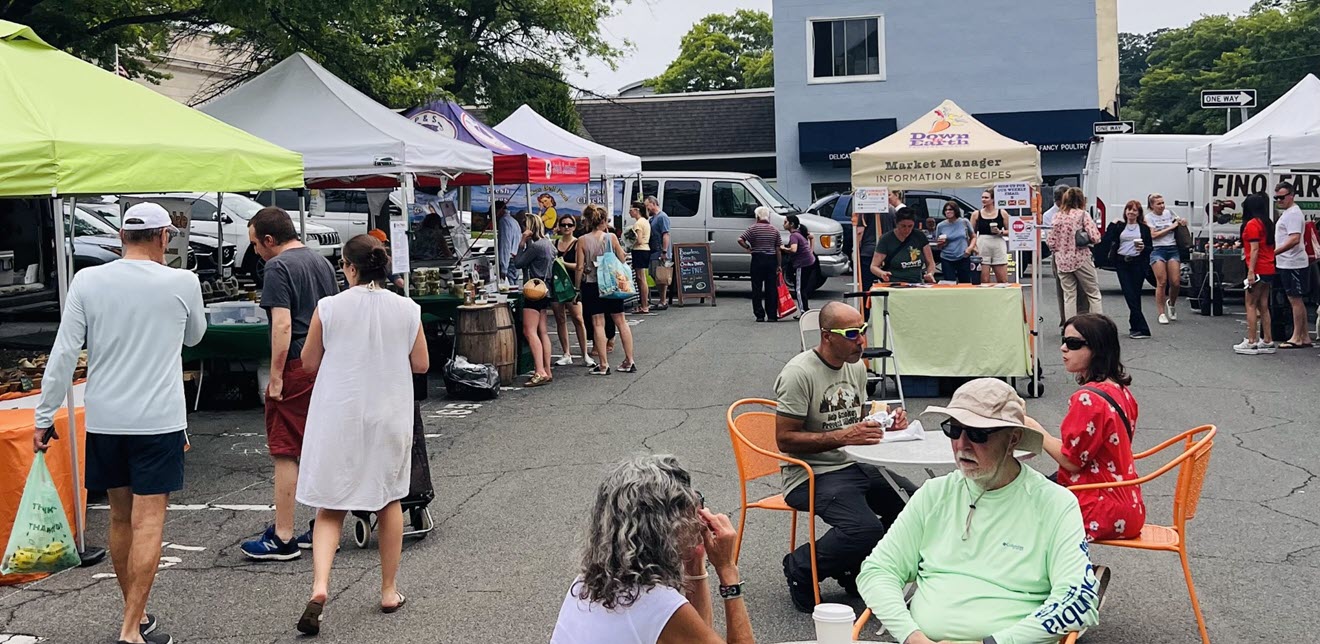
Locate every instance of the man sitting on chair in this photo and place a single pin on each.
(820, 396)
(997, 551)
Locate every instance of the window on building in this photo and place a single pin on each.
(733, 200)
(848, 48)
(682, 198)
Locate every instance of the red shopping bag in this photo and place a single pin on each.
(787, 305)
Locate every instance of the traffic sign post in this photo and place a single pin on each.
(1227, 99)
(1113, 127)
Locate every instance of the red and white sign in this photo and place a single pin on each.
(1021, 234)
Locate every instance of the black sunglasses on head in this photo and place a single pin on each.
(1073, 342)
(954, 430)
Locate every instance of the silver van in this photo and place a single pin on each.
(716, 207)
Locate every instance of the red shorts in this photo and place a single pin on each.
(287, 418)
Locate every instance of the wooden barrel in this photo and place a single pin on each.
(485, 335)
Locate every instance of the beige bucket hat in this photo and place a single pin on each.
(987, 403)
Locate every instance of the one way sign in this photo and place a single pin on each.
(1221, 98)
(1113, 127)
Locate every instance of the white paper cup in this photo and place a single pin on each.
(834, 623)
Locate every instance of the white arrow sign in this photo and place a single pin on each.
(1213, 98)
(1113, 127)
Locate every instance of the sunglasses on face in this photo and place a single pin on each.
(1073, 343)
(979, 436)
(171, 235)
(851, 333)
(1282, 197)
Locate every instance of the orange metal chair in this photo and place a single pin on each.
(1192, 464)
(757, 455)
(860, 625)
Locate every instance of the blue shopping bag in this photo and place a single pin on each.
(615, 278)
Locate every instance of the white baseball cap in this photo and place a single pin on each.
(147, 216)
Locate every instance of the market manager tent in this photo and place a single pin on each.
(946, 148)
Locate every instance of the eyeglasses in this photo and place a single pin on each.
(1073, 342)
(171, 235)
(851, 333)
(975, 434)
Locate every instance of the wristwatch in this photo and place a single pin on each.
(731, 592)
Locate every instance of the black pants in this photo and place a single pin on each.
(868, 278)
(848, 500)
(803, 279)
(959, 270)
(765, 286)
(1131, 277)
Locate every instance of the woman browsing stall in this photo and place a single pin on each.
(536, 257)
(566, 249)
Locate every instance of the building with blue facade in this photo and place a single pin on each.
(851, 72)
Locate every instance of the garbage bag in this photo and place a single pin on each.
(41, 540)
(470, 381)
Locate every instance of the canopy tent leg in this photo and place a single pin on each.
(302, 216)
(409, 198)
(64, 272)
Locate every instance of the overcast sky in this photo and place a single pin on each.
(655, 27)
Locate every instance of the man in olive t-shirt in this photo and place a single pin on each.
(820, 396)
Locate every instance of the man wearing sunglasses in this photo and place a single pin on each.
(821, 394)
(1292, 268)
(998, 552)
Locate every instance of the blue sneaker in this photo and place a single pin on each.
(304, 540)
(269, 547)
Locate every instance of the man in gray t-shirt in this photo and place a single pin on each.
(820, 397)
(296, 278)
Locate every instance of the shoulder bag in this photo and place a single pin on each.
(1127, 424)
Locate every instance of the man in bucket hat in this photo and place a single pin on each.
(997, 550)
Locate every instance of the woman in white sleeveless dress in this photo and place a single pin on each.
(367, 342)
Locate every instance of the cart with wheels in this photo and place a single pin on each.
(417, 514)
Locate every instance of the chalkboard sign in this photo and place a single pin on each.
(696, 276)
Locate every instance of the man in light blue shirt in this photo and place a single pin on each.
(659, 244)
(134, 315)
(510, 233)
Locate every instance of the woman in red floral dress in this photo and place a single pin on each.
(1095, 439)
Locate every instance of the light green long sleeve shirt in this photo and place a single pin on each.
(1023, 576)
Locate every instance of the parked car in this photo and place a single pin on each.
(346, 211)
(238, 209)
(716, 207)
(92, 229)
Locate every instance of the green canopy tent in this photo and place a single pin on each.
(70, 128)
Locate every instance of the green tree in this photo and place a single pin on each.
(399, 52)
(1270, 48)
(538, 85)
(722, 52)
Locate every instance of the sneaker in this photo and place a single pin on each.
(154, 638)
(269, 547)
(804, 600)
(1164, 319)
(566, 361)
(1173, 313)
(599, 371)
(1246, 348)
(588, 361)
(1266, 347)
(1139, 335)
(304, 540)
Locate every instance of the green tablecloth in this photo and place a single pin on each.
(231, 342)
(957, 331)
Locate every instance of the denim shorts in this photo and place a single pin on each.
(1163, 254)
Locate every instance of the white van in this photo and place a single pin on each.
(1121, 167)
(716, 207)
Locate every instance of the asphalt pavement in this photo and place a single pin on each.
(514, 479)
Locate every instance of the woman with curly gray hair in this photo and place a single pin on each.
(644, 578)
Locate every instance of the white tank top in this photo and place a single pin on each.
(582, 622)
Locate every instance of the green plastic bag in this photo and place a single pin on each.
(562, 283)
(41, 540)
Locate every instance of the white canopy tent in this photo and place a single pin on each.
(341, 132)
(1285, 135)
(530, 128)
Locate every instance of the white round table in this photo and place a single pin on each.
(933, 452)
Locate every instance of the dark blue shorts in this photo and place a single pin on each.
(149, 464)
(1295, 282)
(1163, 254)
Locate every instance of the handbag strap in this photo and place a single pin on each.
(1113, 403)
